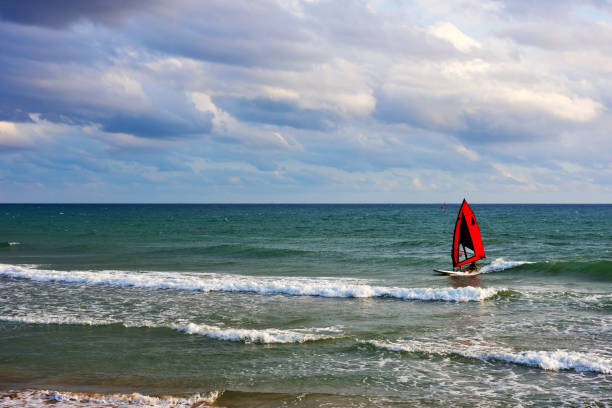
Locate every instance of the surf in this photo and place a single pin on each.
(33, 398)
(554, 360)
(591, 270)
(257, 336)
(501, 264)
(291, 286)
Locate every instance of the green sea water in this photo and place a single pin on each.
(308, 305)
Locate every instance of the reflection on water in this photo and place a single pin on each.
(463, 281)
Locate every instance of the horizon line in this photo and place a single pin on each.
(302, 203)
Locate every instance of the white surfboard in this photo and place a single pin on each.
(457, 273)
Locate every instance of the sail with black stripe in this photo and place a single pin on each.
(467, 242)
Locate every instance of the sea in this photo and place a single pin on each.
(303, 306)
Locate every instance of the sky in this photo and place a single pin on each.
(306, 101)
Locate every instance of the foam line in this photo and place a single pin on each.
(261, 336)
(265, 336)
(548, 360)
(27, 398)
(59, 320)
(334, 288)
(500, 264)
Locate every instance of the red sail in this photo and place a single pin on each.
(467, 243)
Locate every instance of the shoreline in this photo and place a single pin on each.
(34, 397)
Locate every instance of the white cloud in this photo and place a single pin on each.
(507, 175)
(10, 136)
(227, 126)
(447, 31)
(465, 152)
(164, 65)
(280, 94)
(572, 108)
(340, 86)
(222, 121)
(416, 183)
(95, 87)
(29, 135)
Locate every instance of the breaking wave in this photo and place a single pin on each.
(259, 336)
(27, 398)
(294, 286)
(600, 270)
(500, 264)
(265, 336)
(547, 360)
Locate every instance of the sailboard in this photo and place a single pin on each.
(467, 243)
(457, 273)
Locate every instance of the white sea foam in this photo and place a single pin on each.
(236, 283)
(37, 398)
(265, 336)
(549, 360)
(554, 360)
(262, 336)
(500, 264)
(59, 320)
(598, 299)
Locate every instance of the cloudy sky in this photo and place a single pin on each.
(306, 101)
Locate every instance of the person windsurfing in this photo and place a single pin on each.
(472, 268)
(467, 245)
(466, 237)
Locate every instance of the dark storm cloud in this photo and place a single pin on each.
(61, 13)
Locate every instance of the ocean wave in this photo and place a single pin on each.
(593, 270)
(236, 251)
(548, 360)
(80, 399)
(599, 301)
(579, 299)
(600, 270)
(60, 320)
(293, 286)
(259, 336)
(265, 336)
(500, 264)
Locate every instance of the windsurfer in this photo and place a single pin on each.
(473, 267)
